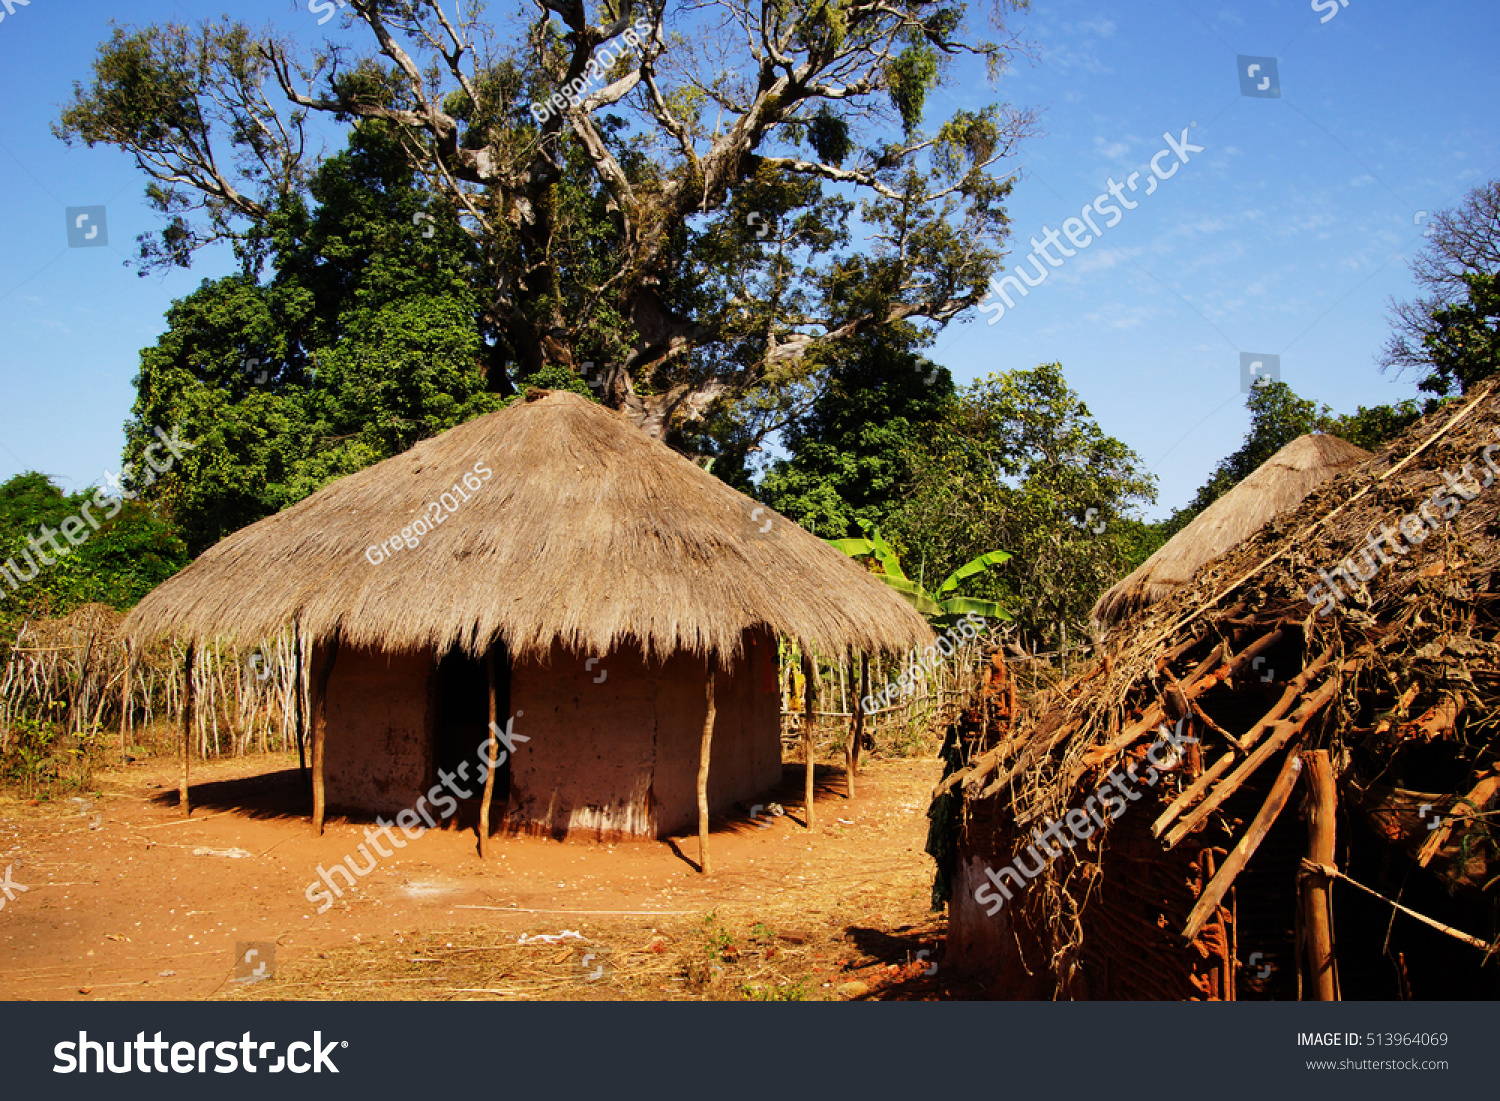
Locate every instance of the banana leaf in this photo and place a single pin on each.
(960, 605)
(973, 566)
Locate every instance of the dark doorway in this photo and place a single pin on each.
(463, 710)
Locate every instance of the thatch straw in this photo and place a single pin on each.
(588, 531)
(1278, 484)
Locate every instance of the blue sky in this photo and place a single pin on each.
(1286, 236)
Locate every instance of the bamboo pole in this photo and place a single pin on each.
(703, 762)
(1317, 911)
(187, 732)
(490, 755)
(809, 703)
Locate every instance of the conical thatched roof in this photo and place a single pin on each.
(1280, 483)
(588, 531)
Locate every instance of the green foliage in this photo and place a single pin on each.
(1464, 342)
(1021, 464)
(364, 341)
(911, 74)
(1277, 417)
(853, 450)
(1016, 461)
(1449, 336)
(613, 231)
(129, 554)
(930, 604)
(1374, 427)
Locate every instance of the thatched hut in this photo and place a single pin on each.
(1134, 833)
(1278, 484)
(547, 566)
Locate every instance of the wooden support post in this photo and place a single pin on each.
(703, 762)
(299, 655)
(1239, 856)
(187, 731)
(319, 722)
(856, 726)
(809, 703)
(491, 757)
(125, 703)
(1317, 911)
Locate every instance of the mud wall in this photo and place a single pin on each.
(378, 745)
(613, 749)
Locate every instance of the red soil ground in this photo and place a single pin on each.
(127, 900)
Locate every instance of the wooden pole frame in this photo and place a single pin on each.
(1317, 900)
(809, 704)
(319, 721)
(300, 656)
(187, 730)
(704, 752)
(856, 725)
(125, 703)
(497, 669)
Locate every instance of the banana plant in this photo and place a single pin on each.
(938, 605)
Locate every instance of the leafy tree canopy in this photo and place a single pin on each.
(1014, 462)
(1449, 335)
(128, 555)
(670, 203)
(363, 341)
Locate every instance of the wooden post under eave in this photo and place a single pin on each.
(299, 655)
(187, 731)
(1317, 910)
(125, 704)
(319, 722)
(857, 730)
(489, 775)
(809, 702)
(703, 761)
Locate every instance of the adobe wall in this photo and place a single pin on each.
(619, 755)
(745, 757)
(378, 748)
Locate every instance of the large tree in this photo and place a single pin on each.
(362, 340)
(726, 188)
(852, 454)
(1019, 464)
(1449, 335)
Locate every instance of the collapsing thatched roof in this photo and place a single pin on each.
(1280, 483)
(1360, 625)
(587, 531)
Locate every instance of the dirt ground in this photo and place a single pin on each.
(126, 900)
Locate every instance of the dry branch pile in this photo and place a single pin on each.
(1396, 681)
